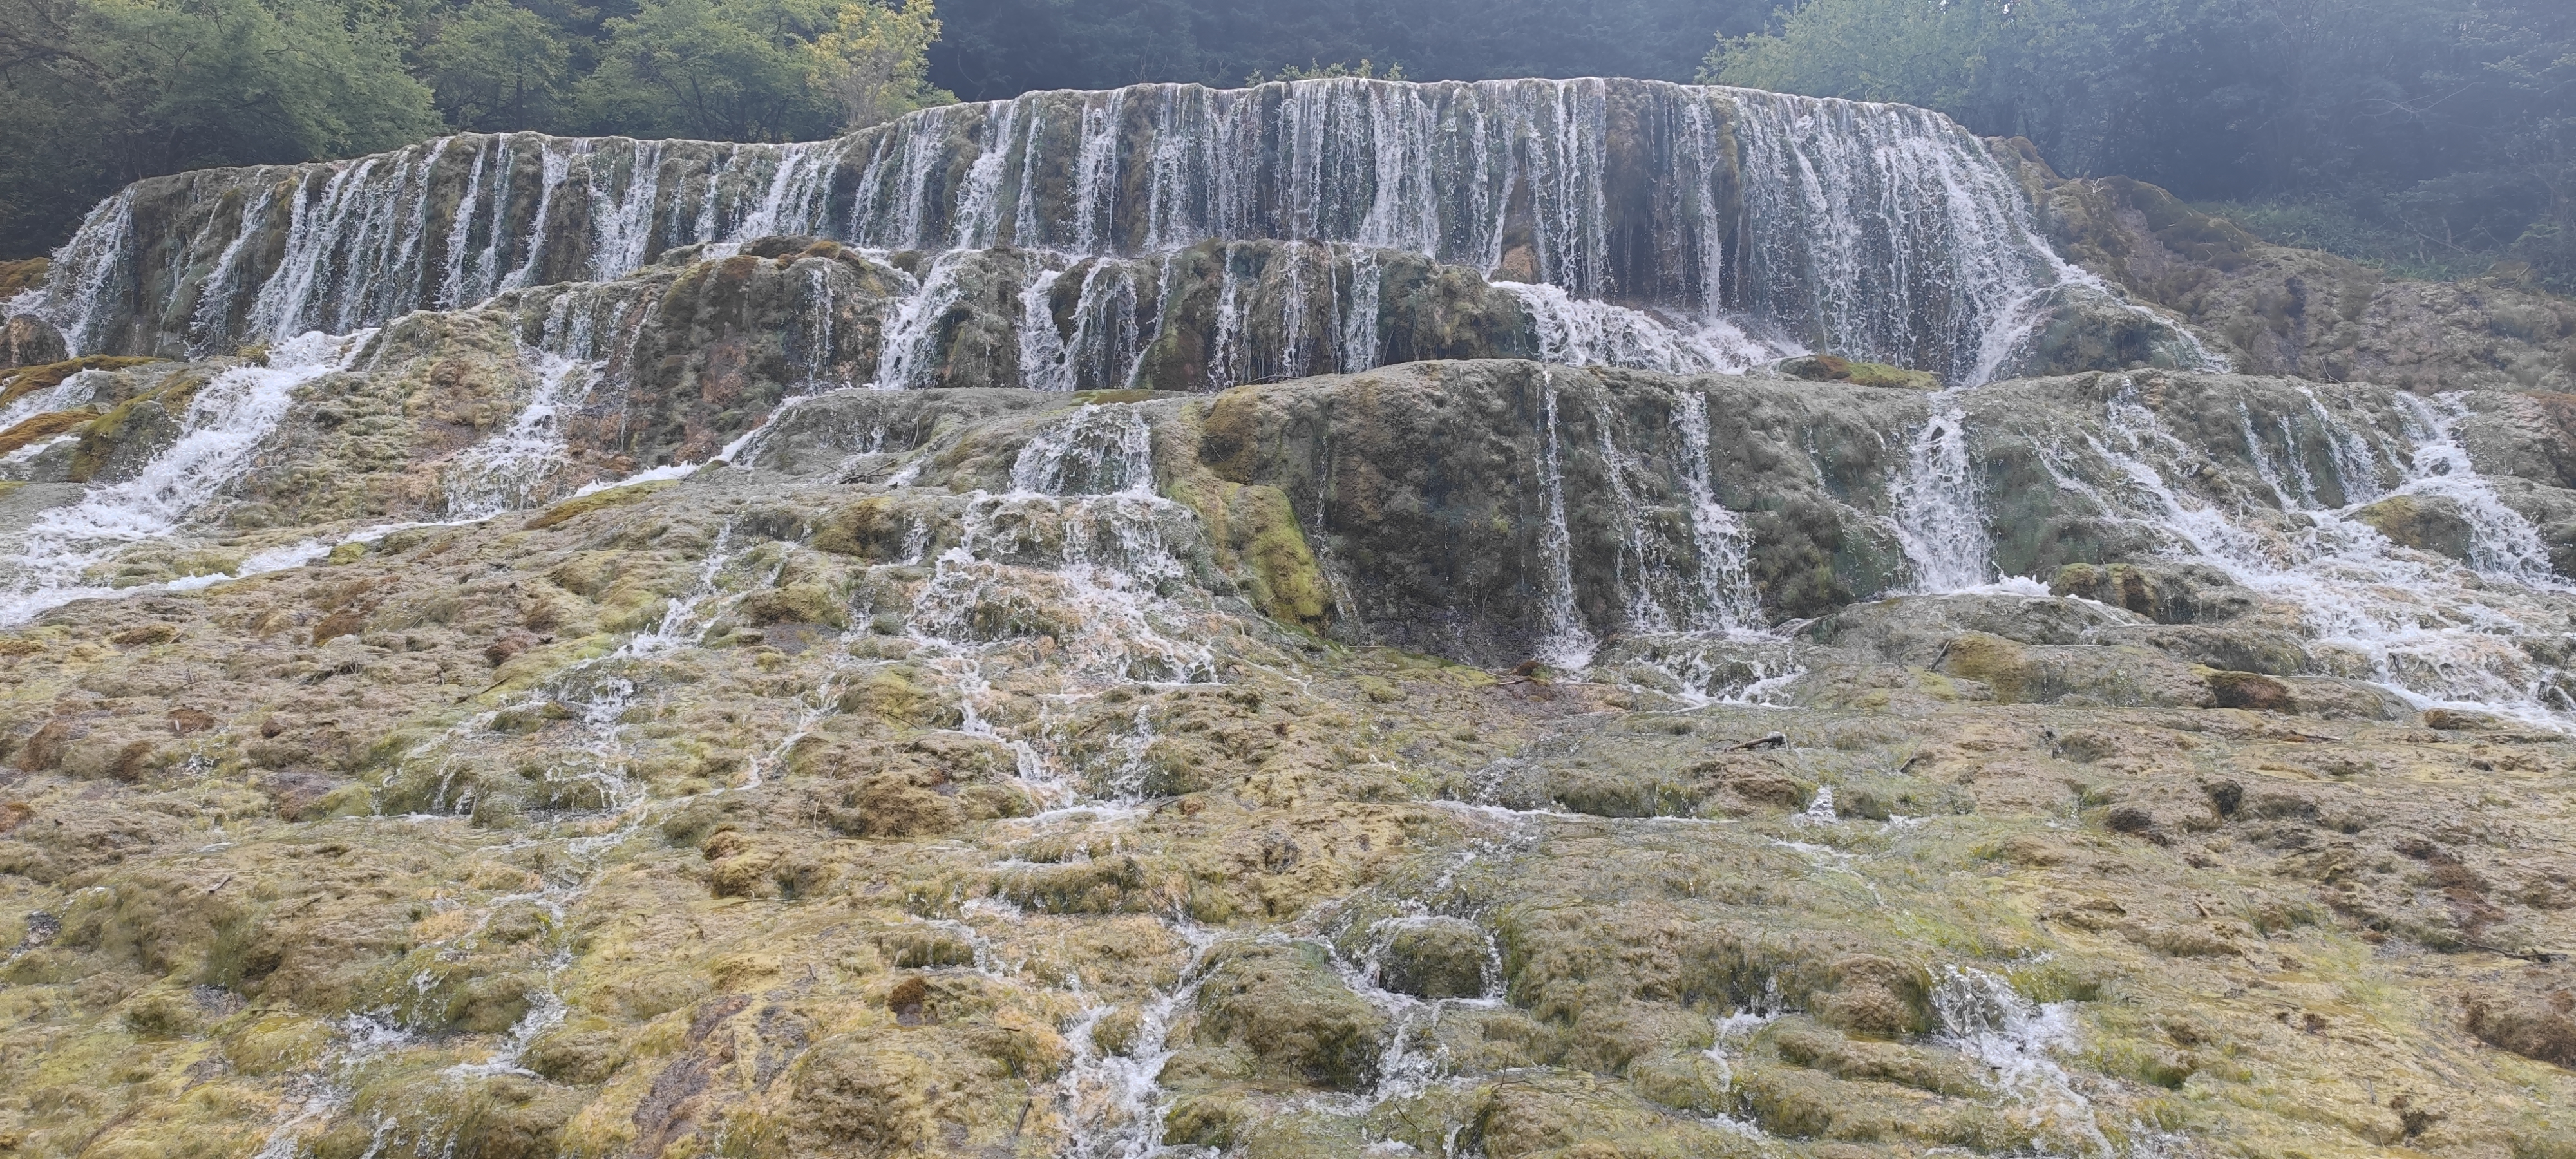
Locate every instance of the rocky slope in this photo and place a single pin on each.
(975, 771)
(2280, 310)
(604, 716)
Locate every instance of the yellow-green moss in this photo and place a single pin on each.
(22, 275)
(27, 380)
(869, 528)
(1287, 584)
(101, 437)
(1836, 368)
(43, 426)
(575, 508)
(1097, 397)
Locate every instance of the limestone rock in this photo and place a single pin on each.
(1284, 1005)
(27, 340)
(1433, 958)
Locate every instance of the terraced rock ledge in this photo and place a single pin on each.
(698, 656)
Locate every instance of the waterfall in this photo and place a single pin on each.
(910, 355)
(1041, 345)
(211, 318)
(1878, 231)
(1228, 361)
(1567, 644)
(516, 467)
(225, 425)
(979, 207)
(1577, 332)
(1101, 450)
(2502, 543)
(1359, 320)
(2430, 630)
(1728, 601)
(1637, 563)
(1889, 232)
(87, 281)
(1939, 519)
(625, 232)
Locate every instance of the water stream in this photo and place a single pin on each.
(227, 422)
(1838, 196)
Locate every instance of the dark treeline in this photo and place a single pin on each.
(2435, 135)
(1000, 48)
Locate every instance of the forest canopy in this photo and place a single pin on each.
(2436, 135)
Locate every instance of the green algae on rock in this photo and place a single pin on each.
(596, 712)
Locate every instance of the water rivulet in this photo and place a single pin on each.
(1717, 226)
(1231, 672)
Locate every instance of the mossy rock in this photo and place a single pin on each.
(2430, 523)
(26, 380)
(575, 508)
(117, 445)
(1434, 958)
(1836, 368)
(22, 275)
(38, 428)
(1554, 1114)
(1285, 1004)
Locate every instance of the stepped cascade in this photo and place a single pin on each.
(1518, 620)
(1687, 228)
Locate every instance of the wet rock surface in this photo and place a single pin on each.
(2280, 310)
(575, 703)
(968, 771)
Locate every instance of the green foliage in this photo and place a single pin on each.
(726, 70)
(95, 93)
(874, 64)
(2435, 135)
(999, 48)
(495, 66)
(2334, 227)
(98, 93)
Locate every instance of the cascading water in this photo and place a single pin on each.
(2434, 631)
(2017, 1039)
(1728, 601)
(1567, 643)
(1939, 518)
(516, 467)
(1889, 230)
(225, 425)
(1823, 242)
(1577, 332)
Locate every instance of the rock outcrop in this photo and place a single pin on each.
(2275, 309)
(711, 704)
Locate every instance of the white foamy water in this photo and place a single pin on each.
(1875, 230)
(1567, 643)
(2471, 633)
(1578, 332)
(2433, 630)
(1940, 517)
(231, 417)
(2018, 1042)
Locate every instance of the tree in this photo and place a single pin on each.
(726, 70)
(874, 65)
(495, 67)
(1000, 48)
(97, 93)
